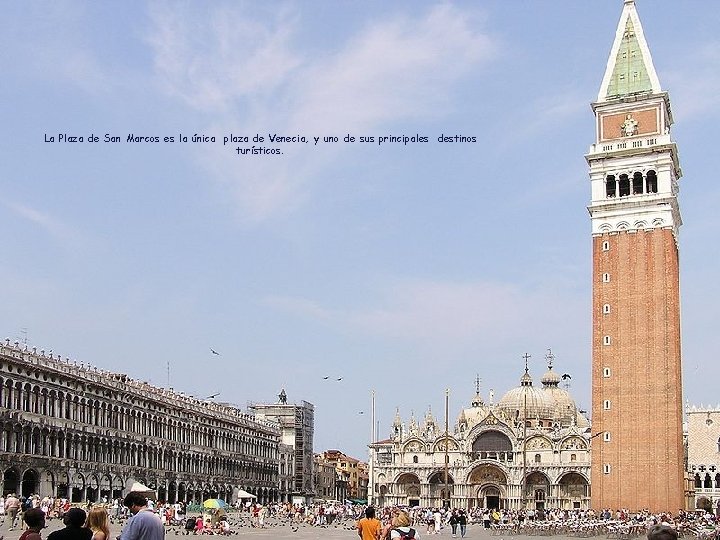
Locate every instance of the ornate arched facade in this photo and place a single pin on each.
(530, 450)
(86, 434)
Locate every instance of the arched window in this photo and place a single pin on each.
(637, 183)
(415, 459)
(492, 441)
(537, 458)
(718, 445)
(708, 481)
(573, 457)
(698, 482)
(651, 179)
(610, 186)
(624, 185)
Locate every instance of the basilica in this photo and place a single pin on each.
(531, 449)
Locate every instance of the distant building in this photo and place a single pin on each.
(86, 434)
(363, 480)
(325, 479)
(354, 471)
(703, 450)
(529, 450)
(297, 425)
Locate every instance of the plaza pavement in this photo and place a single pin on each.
(276, 529)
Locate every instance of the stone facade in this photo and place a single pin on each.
(529, 450)
(86, 434)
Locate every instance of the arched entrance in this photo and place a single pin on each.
(11, 482)
(537, 489)
(29, 483)
(117, 487)
(63, 486)
(490, 497)
(105, 488)
(77, 488)
(92, 489)
(441, 494)
(408, 486)
(489, 483)
(573, 492)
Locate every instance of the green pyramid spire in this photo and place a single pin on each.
(630, 69)
(630, 75)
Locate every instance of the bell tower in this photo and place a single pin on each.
(637, 445)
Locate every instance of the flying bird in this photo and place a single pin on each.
(565, 377)
(339, 378)
(326, 378)
(361, 412)
(214, 351)
(213, 396)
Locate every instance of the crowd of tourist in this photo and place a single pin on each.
(139, 515)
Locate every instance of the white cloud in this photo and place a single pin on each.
(49, 224)
(398, 69)
(214, 58)
(254, 76)
(450, 316)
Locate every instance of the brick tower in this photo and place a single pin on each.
(637, 448)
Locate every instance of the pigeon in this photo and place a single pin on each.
(214, 351)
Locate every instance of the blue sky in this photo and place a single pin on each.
(403, 269)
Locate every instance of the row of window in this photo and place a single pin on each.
(624, 190)
(15, 395)
(56, 444)
(624, 186)
(606, 307)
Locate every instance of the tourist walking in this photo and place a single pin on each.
(144, 523)
(12, 507)
(462, 522)
(453, 521)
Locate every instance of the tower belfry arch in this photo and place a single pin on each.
(635, 218)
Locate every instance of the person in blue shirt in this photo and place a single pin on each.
(144, 523)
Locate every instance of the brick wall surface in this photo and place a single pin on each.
(644, 389)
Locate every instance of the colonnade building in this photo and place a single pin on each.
(529, 450)
(85, 434)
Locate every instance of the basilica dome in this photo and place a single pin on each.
(525, 401)
(565, 408)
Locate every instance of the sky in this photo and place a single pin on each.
(402, 268)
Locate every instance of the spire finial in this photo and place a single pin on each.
(477, 384)
(526, 356)
(550, 357)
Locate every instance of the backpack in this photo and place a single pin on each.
(410, 535)
(190, 524)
